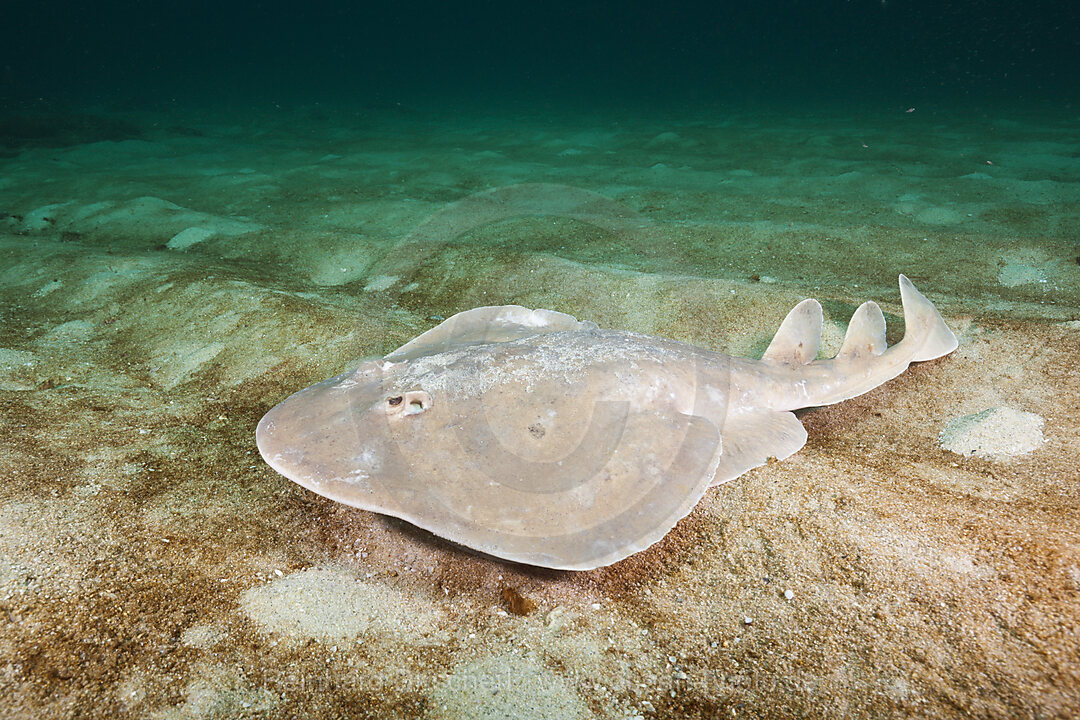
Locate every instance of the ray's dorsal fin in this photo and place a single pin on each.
(797, 340)
(865, 334)
(483, 325)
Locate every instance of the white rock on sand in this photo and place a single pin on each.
(186, 238)
(507, 686)
(994, 434)
(331, 604)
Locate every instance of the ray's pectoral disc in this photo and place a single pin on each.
(483, 446)
(606, 482)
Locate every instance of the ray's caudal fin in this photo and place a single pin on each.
(864, 361)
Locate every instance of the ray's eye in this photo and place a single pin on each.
(408, 404)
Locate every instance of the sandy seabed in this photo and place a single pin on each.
(166, 279)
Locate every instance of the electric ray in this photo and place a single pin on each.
(531, 436)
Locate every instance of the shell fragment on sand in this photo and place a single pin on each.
(533, 437)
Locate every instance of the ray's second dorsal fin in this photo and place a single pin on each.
(482, 325)
(865, 334)
(797, 340)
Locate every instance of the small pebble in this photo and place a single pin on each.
(748, 620)
(789, 594)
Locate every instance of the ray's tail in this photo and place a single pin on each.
(925, 328)
(864, 361)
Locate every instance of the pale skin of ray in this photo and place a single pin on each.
(531, 436)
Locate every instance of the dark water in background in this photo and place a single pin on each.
(645, 56)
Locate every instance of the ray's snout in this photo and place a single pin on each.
(314, 438)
